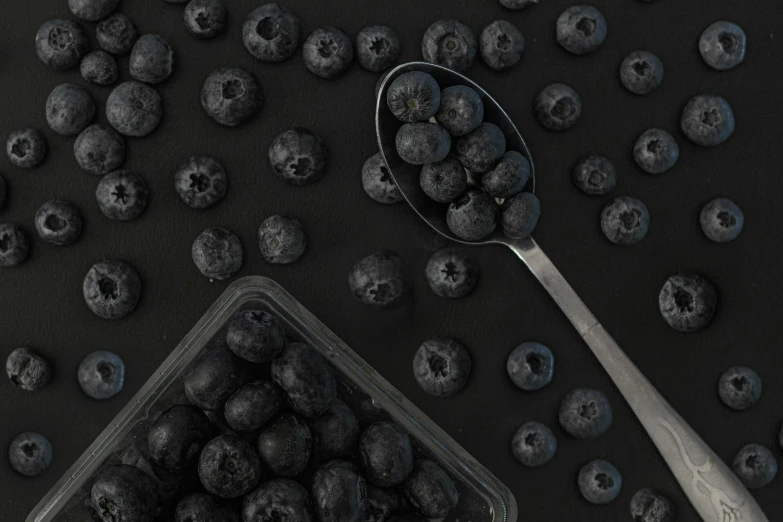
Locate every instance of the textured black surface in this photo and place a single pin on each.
(42, 305)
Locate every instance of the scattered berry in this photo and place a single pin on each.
(625, 221)
(306, 378)
(101, 375)
(641, 72)
(298, 156)
(122, 195)
(533, 444)
(386, 454)
(151, 59)
(201, 182)
(28, 370)
(530, 366)
(442, 367)
(722, 45)
(327, 52)
(519, 215)
(116, 34)
(217, 253)
(58, 222)
(252, 406)
(509, 176)
(581, 29)
(557, 107)
(229, 467)
(231, 96)
(100, 68)
(60, 44)
(585, 413)
(112, 289)
(656, 151)
(648, 505)
(599, 482)
(721, 220)
(594, 174)
(176, 437)
(256, 336)
(707, 120)
(755, 465)
(461, 110)
(99, 149)
(380, 280)
(124, 492)
(13, 245)
(420, 143)
(443, 181)
(378, 183)
(69, 109)
(271, 33)
(30, 454)
(205, 18)
(413, 96)
(449, 43)
(501, 44)
(739, 388)
(451, 273)
(688, 302)
(430, 490)
(377, 47)
(282, 239)
(473, 216)
(26, 148)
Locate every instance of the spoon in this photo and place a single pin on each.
(712, 487)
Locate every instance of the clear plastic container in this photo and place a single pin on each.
(483, 498)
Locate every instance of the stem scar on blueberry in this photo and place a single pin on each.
(641, 67)
(301, 167)
(232, 89)
(503, 42)
(381, 292)
(450, 271)
(655, 147)
(586, 26)
(61, 38)
(740, 383)
(199, 182)
(202, 19)
(5, 242)
(589, 410)
(106, 371)
(604, 481)
(120, 194)
(752, 461)
(726, 220)
(727, 42)
(108, 288)
(385, 177)
(531, 439)
(378, 45)
(711, 117)
(563, 108)
(438, 365)
(21, 147)
(596, 178)
(534, 362)
(326, 47)
(53, 222)
(631, 219)
(267, 28)
(683, 300)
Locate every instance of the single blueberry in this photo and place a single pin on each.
(377, 47)
(739, 388)
(26, 148)
(201, 181)
(519, 215)
(533, 444)
(442, 367)
(482, 148)
(641, 72)
(430, 490)
(451, 273)
(755, 465)
(151, 59)
(101, 375)
(256, 336)
(92, 10)
(461, 110)
(126, 493)
(28, 370)
(585, 413)
(557, 107)
(282, 239)
(100, 68)
(380, 280)
(449, 43)
(599, 482)
(229, 467)
(386, 454)
(625, 221)
(381, 504)
(517, 4)
(306, 378)
(60, 44)
(722, 45)
(69, 109)
(473, 216)
(30, 454)
(58, 222)
(327, 52)
(14, 246)
(217, 253)
(271, 33)
(176, 437)
(111, 289)
(581, 29)
(378, 183)
(530, 366)
(298, 156)
(501, 44)
(279, 499)
(335, 432)
(443, 181)
(252, 406)
(339, 492)
(122, 195)
(509, 176)
(202, 507)
(721, 220)
(707, 120)
(656, 151)
(594, 174)
(413, 96)
(214, 377)
(116, 34)
(205, 18)
(420, 143)
(231, 96)
(648, 505)
(285, 445)
(134, 109)
(99, 149)
(687, 302)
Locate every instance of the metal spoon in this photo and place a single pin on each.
(713, 489)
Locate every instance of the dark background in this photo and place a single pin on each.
(42, 305)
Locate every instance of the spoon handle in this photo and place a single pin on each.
(713, 489)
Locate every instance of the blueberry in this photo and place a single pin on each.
(122, 195)
(625, 221)
(229, 467)
(508, 177)
(420, 143)
(285, 445)
(202, 507)
(648, 505)
(231, 96)
(482, 148)
(277, 499)
(101, 375)
(271, 33)
(176, 437)
(501, 44)
(92, 10)
(461, 110)
(335, 432)
(656, 151)
(707, 120)
(100, 68)
(69, 109)
(721, 220)
(533, 444)
(298, 156)
(443, 181)
(449, 43)
(327, 52)
(256, 336)
(381, 504)
(116, 34)
(124, 493)
(58, 222)
(473, 216)
(112, 289)
(451, 273)
(134, 109)
(530, 366)
(13, 245)
(641, 72)
(99, 149)
(30, 454)
(755, 465)
(557, 107)
(585, 413)
(217, 253)
(252, 406)
(688, 302)
(377, 47)
(581, 29)
(517, 4)
(305, 376)
(386, 454)
(599, 482)
(378, 183)
(214, 377)
(28, 370)
(430, 490)
(722, 45)
(151, 59)
(201, 182)
(380, 280)
(60, 44)
(413, 96)
(205, 18)
(739, 388)
(520, 214)
(594, 174)
(26, 148)
(339, 492)
(282, 239)
(442, 366)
